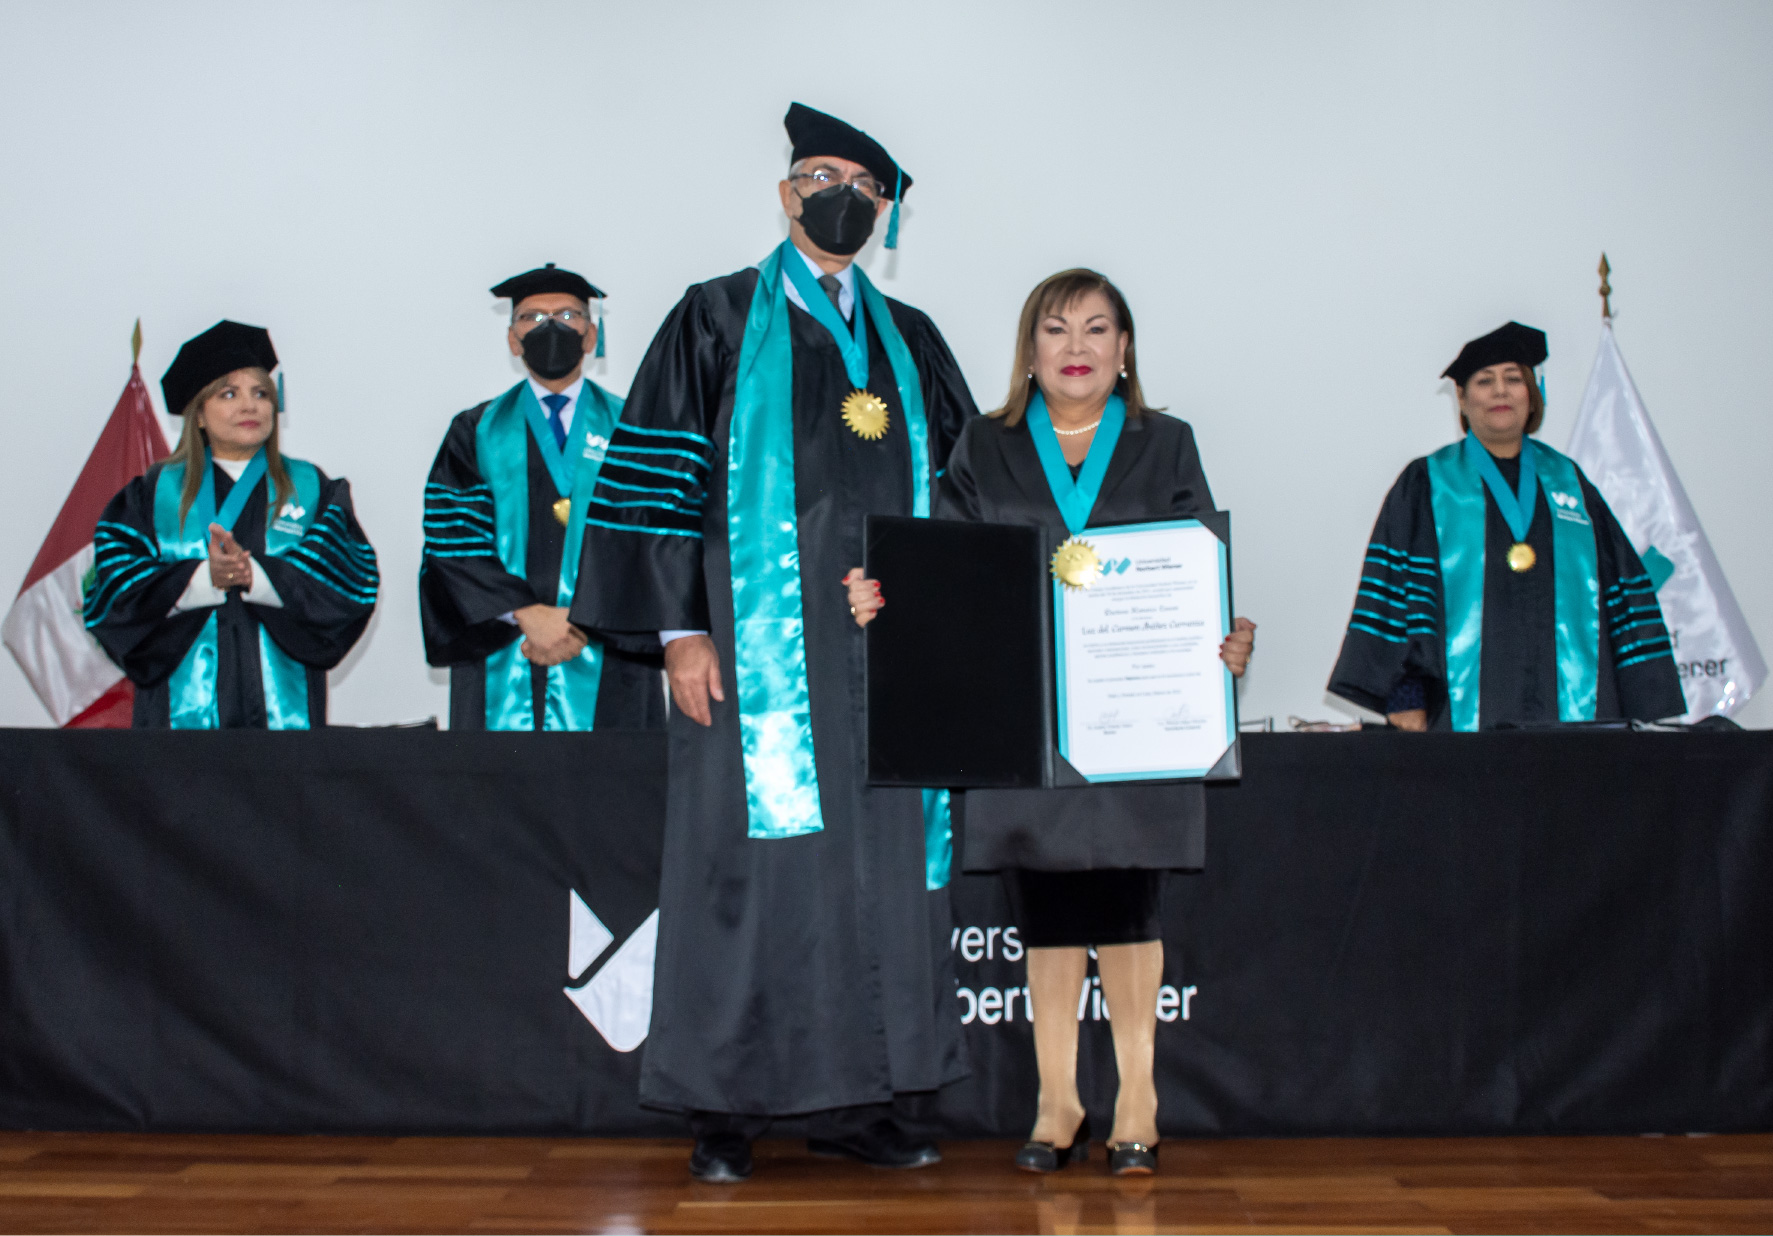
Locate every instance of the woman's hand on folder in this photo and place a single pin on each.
(1238, 646)
(865, 598)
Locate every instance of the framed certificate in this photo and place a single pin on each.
(1141, 692)
(985, 674)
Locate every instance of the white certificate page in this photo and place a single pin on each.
(1142, 691)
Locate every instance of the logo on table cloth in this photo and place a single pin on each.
(618, 997)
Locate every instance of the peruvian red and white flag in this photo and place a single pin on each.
(77, 682)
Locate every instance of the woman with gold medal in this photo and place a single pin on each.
(1498, 589)
(1075, 396)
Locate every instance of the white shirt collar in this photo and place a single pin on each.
(846, 285)
(572, 394)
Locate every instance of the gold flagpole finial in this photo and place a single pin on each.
(1606, 290)
(135, 344)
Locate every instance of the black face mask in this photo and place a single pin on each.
(552, 350)
(838, 220)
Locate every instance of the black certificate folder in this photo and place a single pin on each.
(958, 667)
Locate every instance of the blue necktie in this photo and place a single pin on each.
(555, 404)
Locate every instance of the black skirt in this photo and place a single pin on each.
(1159, 826)
(1074, 909)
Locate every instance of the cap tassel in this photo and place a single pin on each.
(282, 399)
(892, 236)
(600, 330)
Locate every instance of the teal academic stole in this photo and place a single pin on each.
(1458, 480)
(501, 441)
(1075, 498)
(191, 689)
(775, 713)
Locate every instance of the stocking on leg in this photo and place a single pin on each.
(1055, 979)
(1131, 975)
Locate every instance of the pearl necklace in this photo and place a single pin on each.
(1072, 433)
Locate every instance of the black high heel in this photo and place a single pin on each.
(1132, 1159)
(1045, 1157)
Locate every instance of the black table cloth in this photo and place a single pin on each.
(371, 931)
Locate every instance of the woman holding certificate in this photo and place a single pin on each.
(1075, 446)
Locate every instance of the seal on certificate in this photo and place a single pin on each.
(1075, 563)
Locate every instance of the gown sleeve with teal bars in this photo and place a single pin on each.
(1440, 622)
(494, 544)
(236, 665)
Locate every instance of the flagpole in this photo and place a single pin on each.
(1606, 291)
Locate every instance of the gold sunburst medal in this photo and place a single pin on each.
(563, 510)
(1521, 557)
(866, 415)
(1075, 564)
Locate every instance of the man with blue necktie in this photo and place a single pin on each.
(504, 530)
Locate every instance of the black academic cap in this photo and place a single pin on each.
(547, 279)
(1509, 342)
(815, 133)
(215, 353)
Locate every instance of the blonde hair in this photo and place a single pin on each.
(193, 447)
(1052, 294)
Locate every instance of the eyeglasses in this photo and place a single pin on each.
(577, 319)
(823, 178)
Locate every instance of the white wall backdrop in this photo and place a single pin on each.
(1310, 207)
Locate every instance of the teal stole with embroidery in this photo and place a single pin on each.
(1457, 483)
(192, 702)
(769, 631)
(501, 441)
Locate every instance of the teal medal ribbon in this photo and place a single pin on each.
(1457, 483)
(192, 703)
(852, 340)
(502, 443)
(769, 631)
(1075, 498)
(1516, 507)
(229, 514)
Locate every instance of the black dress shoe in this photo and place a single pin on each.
(1045, 1157)
(1132, 1158)
(721, 1158)
(881, 1144)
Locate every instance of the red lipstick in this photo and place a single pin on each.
(1077, 371)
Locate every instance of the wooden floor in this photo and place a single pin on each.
(77, 1182)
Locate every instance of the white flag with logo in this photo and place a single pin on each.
(1617, 446)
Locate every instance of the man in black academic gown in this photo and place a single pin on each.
(1498, 588)
(803, 963)
(506, 495)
